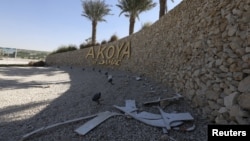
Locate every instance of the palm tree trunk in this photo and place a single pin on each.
(131, 24)
(94, 24)
(162, 7)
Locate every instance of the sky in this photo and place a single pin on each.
(45, 25)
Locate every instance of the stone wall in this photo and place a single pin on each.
(200, 48)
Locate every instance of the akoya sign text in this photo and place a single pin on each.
(109, 55)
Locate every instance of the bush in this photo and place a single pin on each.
(146, 25)
(38, 63)
(83, 45)
(65, 49)
(113, 38)
(103, 42)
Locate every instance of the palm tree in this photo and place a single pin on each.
(95, 10)
(163, 7)
(132, 9)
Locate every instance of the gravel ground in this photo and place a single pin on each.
(33, 97)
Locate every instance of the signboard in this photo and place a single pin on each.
(110, 54)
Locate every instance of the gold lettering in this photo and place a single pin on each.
(100, 52)
(112, 62)
(91, 52)
(127, 51)
(108, 62)
(102, 62)
(118, 62)
(119, 49)
(108, 55)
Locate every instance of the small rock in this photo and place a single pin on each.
(246, 58)
(212, 95)
(222, 110)
(241, 120)
(244, 85)
(216, 87)
(245, 17)
(218, 62)
(236, 110)
(230, 100)
(213, 105)
(196, 72)
(166, 138)
(247, 49)
(220, 120)
(238, 75)
(234, 45)
(137, 78)
(199, 100)
(237, 12)
(244, 101)
(240, 51)
(223, 68)
(246, 71)
(230, 60)
(231, 30)
(234, 67)
(220, 101)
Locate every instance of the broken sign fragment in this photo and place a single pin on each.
(101, 117)
(164, 100)
(165, 120)
(53, 126)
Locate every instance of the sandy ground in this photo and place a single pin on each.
(10, 61)
(32, 97)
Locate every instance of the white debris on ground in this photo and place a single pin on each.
(164, 120)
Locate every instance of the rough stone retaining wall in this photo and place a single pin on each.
(201, 49)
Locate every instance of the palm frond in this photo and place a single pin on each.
(135, 7)
(95, 10)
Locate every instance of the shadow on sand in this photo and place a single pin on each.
(76, 102)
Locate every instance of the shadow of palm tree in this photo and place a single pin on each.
(76, 102)
(14, 77)
(26, 71)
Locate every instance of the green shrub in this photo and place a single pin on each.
(103, 42)
(65, 49)
(83, 45)
(113, 38)
(146, 25)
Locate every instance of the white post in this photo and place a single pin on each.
(16, 53)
